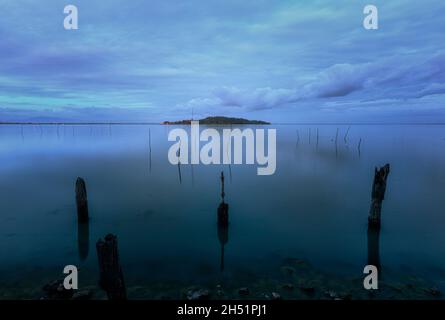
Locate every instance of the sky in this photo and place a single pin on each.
(280, 61)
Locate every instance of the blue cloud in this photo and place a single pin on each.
(283, 59)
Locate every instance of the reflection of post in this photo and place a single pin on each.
(223, 237)
(83, 240)
(378, 195)
(111, 276)
(223, 209)
(179, 164)
(149, 147)
(374, 247)
(223, 222)
(336, 144)
(81, 201)
(317, 139)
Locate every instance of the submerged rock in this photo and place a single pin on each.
(288, 286)
(288, 270)
(56, 291)
(332, 295)
(307, 289)
(276, 296)
(82, 295)
(433, 291)
(243, 291)
(200, 294)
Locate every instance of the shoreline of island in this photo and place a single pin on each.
(218, 120)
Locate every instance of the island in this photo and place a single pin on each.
(217, 121)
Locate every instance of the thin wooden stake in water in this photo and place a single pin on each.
(317, 138)
(223, 194)
(149, 147)
(111, 275)
(179, 164)
(378, 195)
(346, 135)
(223, 222)
(81, 201)
(359, 147)
(336, 144)
(227, 154)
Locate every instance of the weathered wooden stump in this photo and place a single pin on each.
(374, 247)
(111, 276)
(378, 195)
(223, 208)
(81, 201)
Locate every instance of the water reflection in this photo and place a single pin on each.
(149, 149)
(223, 237)
(374, 247)
(83, 240)
(302, 203)
(223, 222)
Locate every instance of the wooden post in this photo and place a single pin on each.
(223, 208)
(81, 201)
(346, 135)
(317, 139)
(83, 240)
(374, 247)
(378, 195)
(111, 276)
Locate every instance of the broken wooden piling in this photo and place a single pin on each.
(374, 247)
(378, 195)
(179, 163)
(81, 201)
(111, 276)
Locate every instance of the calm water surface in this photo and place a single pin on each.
(314, 208)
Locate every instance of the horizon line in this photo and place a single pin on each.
(172, 124)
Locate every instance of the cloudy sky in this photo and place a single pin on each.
(283, 61)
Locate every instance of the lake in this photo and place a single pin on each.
(303, 227)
